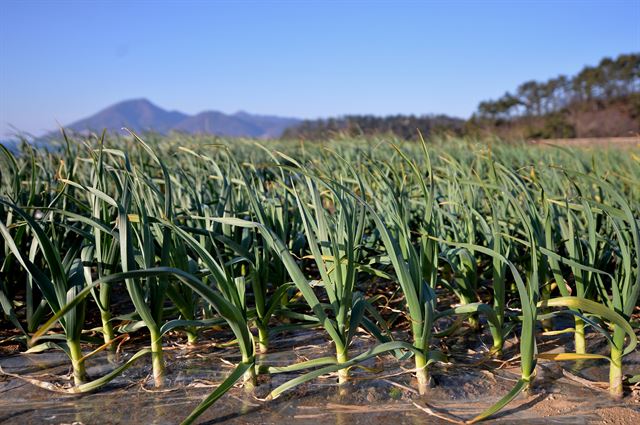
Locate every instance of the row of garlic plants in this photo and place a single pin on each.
(275, 236)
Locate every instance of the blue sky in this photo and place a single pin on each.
(64, 60)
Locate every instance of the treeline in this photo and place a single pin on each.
(602, 100)
(402, 126)
(609, 80)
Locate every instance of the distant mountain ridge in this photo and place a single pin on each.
(141, 115)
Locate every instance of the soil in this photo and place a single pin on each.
(592, 142)
(380, 393)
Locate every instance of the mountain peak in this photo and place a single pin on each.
(139, 100)
(134, 103)
(141, 114)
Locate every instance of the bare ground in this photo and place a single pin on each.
(600, 142)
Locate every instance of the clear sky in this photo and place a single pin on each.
(63, 60)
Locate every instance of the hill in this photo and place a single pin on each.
(141, 115)
(402, 126)
(599, 101)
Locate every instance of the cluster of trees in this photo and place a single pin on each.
(402, 126)
(593, 87)
(602, 100)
